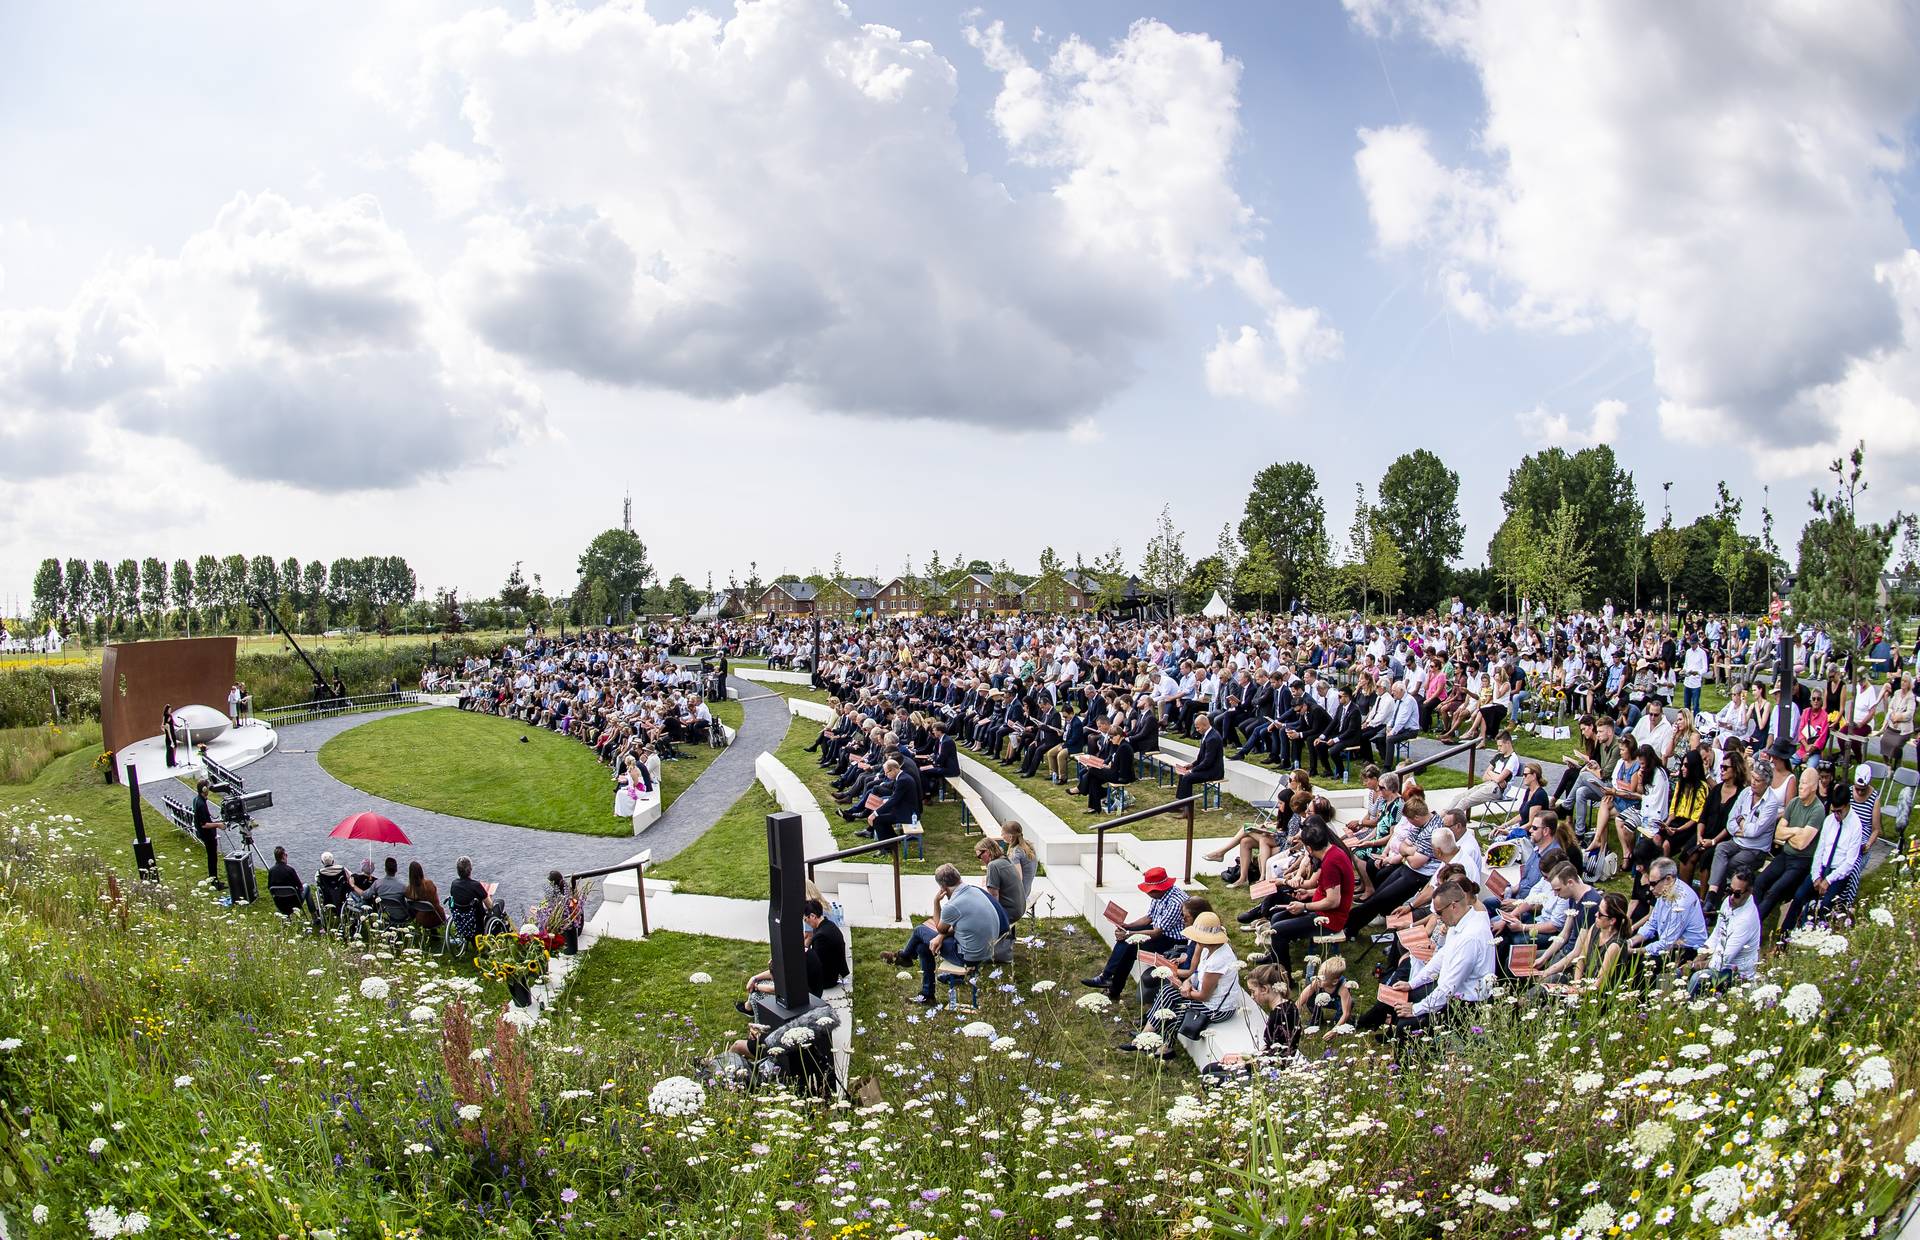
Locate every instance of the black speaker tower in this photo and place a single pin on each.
(143, 858)
(787, 899)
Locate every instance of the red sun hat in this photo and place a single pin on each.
(1156, 881)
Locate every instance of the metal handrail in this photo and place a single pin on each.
(1470, 748)
(894, 844)
(639, 866)
(1100, 830)
(321, 707)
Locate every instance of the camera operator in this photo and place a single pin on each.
(209, 834)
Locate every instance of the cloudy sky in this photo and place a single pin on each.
(812, 279)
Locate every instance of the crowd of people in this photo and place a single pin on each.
(624, 698)
(363, 901)
(1727, 825)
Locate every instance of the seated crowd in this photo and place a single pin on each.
(362, 901)
(629, 702)
(1726, 825)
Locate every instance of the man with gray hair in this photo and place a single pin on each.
(965, 922)
(1677, 928)
(1402, 721)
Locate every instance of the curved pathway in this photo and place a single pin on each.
(308, 802)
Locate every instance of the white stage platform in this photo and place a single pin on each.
(233, 749)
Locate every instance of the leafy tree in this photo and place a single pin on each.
(49, 592)
(618, 560)
(1359, 545)
(1420, 509)
(1258, 575)
(263, 586)
(1514, 553)
(516, 593)
(233, 590)
(1385, 568)
(153, 592)
(105, 599)
(1049, 590)
(1164, 566)
(79, 605)
(126, 590)
(1323, 584)
(183, 597)
(1110, 570)
(1203, 579)
(1284, 511)
(1563, 564)
(1603, 497)
(290, 583)
(754, 585)
(1668, 548)
(447, 611)
(1226, 549)
(1842, 557)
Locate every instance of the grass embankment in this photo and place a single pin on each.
(149, 1039)
(25, 752)
(477, 766)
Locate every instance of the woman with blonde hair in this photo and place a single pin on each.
(1020, 852)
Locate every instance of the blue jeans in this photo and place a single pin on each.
(1693, 699)
(920, 946)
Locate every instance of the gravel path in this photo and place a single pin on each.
(308, 802)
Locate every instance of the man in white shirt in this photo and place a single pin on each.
(1694, 665)
(1655, 729)
(1733, 949)
(1502, 774)
(1835, 854)
(1460, 973)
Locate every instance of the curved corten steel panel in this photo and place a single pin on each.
(140, 679)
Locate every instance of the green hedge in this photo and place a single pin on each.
(273, 679)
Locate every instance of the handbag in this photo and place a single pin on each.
(1194, 1021)
(1231, 874)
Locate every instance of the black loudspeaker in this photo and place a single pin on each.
(143, 858)
(240, 878)
(787, 899)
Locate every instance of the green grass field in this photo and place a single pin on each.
(455, 762)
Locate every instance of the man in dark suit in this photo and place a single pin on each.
(1144, 736)
(203, 827)
(1210, 764)
(1343, 726)
(900, 800)
(1115, 766)
(944, 761)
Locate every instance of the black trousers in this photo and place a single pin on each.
(210, 839)
(1394, 887)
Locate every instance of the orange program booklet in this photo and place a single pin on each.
(1115, 914)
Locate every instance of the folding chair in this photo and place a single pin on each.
(1906, 779)
(286, 899)
(1210, 795)
(915, 845)
(425, 934)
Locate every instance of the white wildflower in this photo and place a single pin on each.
(373, 988)
(181, 1082)
(1148, 1040)
(1874, 1075)
(421, 1014)
(699, 979)
(468, 1113)
(1041, 987)
(1881, 917)
(1803, 1002)
(1093, 1001)
(97, 1146)
(976, 1029)
(1587, 1082)
(1652, 1137)
(676, 1096)
(9, 1044)
(1001, 1045)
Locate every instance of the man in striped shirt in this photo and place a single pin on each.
(1161, 930)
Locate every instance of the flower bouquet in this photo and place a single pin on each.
(558, 919)
(519, 960)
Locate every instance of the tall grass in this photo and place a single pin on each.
(212, 1070)
(25, 752)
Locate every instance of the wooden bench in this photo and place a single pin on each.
(973, 811)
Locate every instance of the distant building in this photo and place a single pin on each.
(845, 596)
(787, 598)
(903, 596)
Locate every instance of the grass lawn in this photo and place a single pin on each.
(804, 692)
(624, 987)
(731, 858)
(458, 762)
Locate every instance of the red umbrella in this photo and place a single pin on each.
(370, 827)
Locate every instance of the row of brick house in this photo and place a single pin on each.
(906, 596)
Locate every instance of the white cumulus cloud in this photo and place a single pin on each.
(289, 344)
(1712, 175)
(780, 199)
(1550, 429)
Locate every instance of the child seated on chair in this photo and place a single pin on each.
(1266, 835)
(1330, 994)
(1280, 1040)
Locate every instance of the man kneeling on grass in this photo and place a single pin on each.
(965, 922)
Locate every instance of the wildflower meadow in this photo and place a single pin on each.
(171, 1067)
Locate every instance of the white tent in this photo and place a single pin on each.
(54, 642)
(1216, 606)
